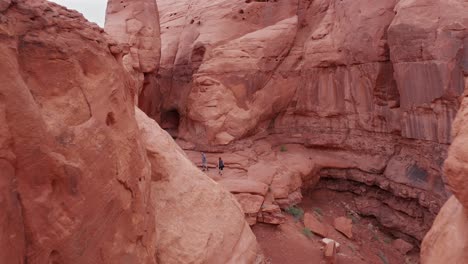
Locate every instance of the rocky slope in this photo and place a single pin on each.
(361, 95)
(84, 180)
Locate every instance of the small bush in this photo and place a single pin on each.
(375, 237)
(307, 232)
(353, 249)
(283, 148)
(387, 240)
(353, 218)
(296, 212)
(318, 211)
(383, 258)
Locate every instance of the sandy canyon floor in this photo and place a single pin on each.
(287, 243)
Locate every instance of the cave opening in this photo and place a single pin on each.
(170, 122)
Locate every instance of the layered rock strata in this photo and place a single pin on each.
(367, 92)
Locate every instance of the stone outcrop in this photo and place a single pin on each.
(358, 95)
(86, 178)
(344, 225)
(135, 24)
(447, 241)
(75, 177)
(317, 227)
(197, 221)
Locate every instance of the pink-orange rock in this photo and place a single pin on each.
(330, 253)
(315, 225)
(136, 23)
(402, 246)
(455, 165)
(447, 241)
(244, 186)
(251, 205)
(197, 221)
(344, 225)
(75, 178)
(271, 214)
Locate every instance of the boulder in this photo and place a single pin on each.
(402, 246)
(244, 186)
(197, 221)
(344, 225)
(315, 225)
(325, 241)
(330, 253)
(271, 214)
(251, 205)
(447, 241)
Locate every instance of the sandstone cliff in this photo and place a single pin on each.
(135, 23)
(84, 180)
(360, 94)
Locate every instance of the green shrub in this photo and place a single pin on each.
(387, 240)
(353, 249)
(296, 212)
(353, 217)
(318, 211)
(283, 148)
(307, 232)
(383, 257)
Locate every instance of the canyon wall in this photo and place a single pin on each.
(358, 94)
(86, 178)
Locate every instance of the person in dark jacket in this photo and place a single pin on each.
(204, 162)
(220, 166)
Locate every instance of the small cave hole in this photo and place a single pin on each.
(170, 122)
(110, 119)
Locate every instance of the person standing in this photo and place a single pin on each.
(220, 166)
(204, 162)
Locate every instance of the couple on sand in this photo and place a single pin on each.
(205, 164)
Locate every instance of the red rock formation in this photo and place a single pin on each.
(447, 241)
(136, 23)
(82, 180)
(197, 221)
(74, 174)
(368, 89)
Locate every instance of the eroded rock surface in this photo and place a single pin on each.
(447, 241)
(135, 23)
(360, 95)
(82, 180)
(197, 221)
(75, 177)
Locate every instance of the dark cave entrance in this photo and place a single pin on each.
(170, 122)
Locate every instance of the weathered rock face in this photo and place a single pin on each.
(369, 90)
(447, 241)
(75, 179)
(197, 221)
(136, 24)
(82, 180)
